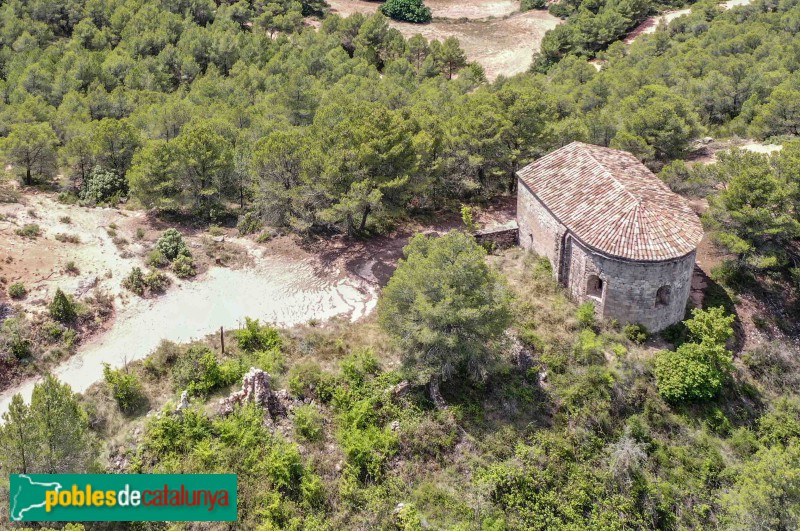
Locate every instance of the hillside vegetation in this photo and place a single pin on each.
(580, 429)
(479, 396)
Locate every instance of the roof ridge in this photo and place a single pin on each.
(613, 203)
(590, 152)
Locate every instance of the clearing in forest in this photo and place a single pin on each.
(493, 33)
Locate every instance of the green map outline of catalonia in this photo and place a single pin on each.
(17, 514)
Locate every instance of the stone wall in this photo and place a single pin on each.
(539, 231)
(629, 292)
(502, 238)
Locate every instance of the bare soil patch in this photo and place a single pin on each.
(651, 24)
(502, 45)
(480, 9)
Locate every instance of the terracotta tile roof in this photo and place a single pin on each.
(613, 203)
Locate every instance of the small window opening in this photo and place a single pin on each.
(594, 286)
(662, 296)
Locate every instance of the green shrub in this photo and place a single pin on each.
(696, 371)
(308, 422)
(197, 371)
(408, 518)
(171, 245)
(156, 281)
(527, 5)
(560, 10)
(183, 266)
(139, 233)
(30, 230)
(254, 337)
(360, 364)
(103, 186)
(157, 259)
(285, 468)
(135, 282)
(304, 379)
(249, 224)
(15, 338)
(66, 220)
(67, 238)
(368, 450)
(585, 314)
(406, 10)
(17, 290)
(272, 361)
(67, 198)
(125, 388)
(71, 268)
(780, 425)
(589, 348)
(63, 309)
(635, 332)
(53, 330)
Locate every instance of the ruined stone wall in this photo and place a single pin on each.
(501, 238)
(629, 292)
(539, 231)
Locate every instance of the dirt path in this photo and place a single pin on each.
(492, 32)
(651, 24)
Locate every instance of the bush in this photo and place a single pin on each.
(135, 282)
(71, 268)
(171, 245)
(157, 259)
(304, 379)
(249, 224)
(183, 267)
(406, 10)
(560, 10)
(585, 314)
(368, 450)
(358, 365)
(15, 338)
(254, 337)
(156, 281)
(696, 371)
(635, 332)
(67, 238)
(63, 309)
(125, 388)
(17, 290)
(197, 371)
(308, 422)
(66, 220)
(31, 231)
(103, 186)
(589, 348)
(527, 5)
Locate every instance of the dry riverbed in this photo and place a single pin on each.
(264, 282)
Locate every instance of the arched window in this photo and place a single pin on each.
(662, 296)
(594, 286)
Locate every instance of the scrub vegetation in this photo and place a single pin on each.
(479, 396)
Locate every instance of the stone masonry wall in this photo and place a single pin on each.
(629, 293)
(502, 238)
(539, 231)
